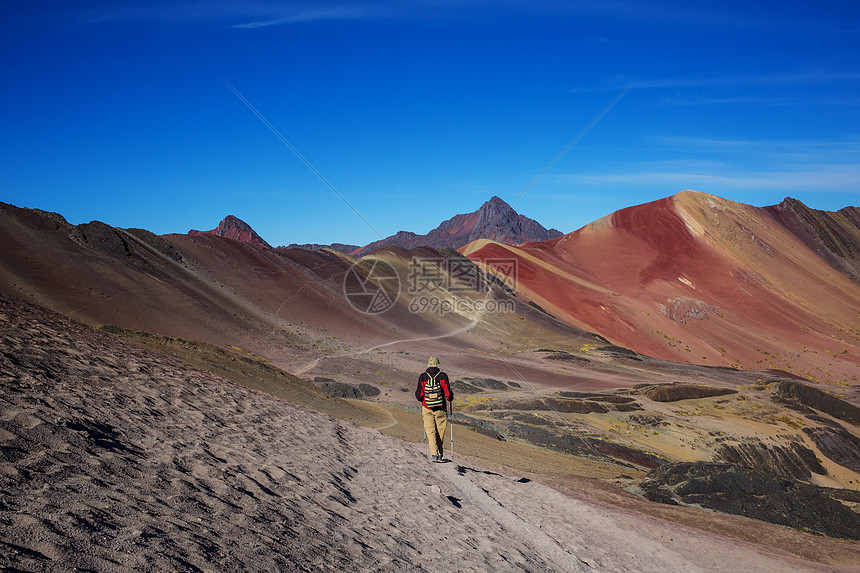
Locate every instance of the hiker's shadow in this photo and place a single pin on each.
(463, 469)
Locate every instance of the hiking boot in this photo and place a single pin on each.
(435, 457)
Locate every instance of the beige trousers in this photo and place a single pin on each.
(435, 424)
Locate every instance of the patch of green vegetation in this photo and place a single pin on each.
(472, 400)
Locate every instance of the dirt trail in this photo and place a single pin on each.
(117, 458)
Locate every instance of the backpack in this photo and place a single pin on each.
(433, 396)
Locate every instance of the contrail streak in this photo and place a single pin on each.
(300, 156)
(582, 133)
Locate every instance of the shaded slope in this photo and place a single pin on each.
(834, 236)
(113, 276)
(287, 305)
(699, 279)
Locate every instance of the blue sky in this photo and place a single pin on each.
(413, 112)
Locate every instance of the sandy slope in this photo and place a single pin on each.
(115, 458)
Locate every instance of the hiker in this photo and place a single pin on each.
(434, 393)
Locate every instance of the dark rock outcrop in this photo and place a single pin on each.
(460, 387)
(481, 426)
(546, 404)
(612, 402)
(609, 398)
(838, 444)
(797, 393)
(795, 461)
(368, 391)
(127, 245)
(525, 417)
(155, 242)
(102, 237)
(585, 404)
(676, 392)
(583, 445)
(488, 383)
(471, 385)
(123, 244)
(235, 228)
(344, 390)
(619, 352)
(495, 220)
(752, 493)
(562, 355)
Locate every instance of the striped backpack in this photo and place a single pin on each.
(433, 397)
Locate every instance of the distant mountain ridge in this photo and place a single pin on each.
(339, 247)
(232, 227)
(494, 220)
(690, 278)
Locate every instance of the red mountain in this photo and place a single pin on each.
(701, 279)
(237, 229)
(495, 220)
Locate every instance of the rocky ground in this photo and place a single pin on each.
(115, 458)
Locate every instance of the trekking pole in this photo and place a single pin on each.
(451, 415)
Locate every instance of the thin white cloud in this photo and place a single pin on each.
(794, 77)
(247, 15)
(264, 13)
(333, 13)
(710, 143)
(761, 100)
(158, 11)
(777, 154)
(802, 77)
(837, 178)
(774, 101)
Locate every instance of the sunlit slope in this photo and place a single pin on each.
(700, 279)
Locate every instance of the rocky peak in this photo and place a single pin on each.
(495, 212)
(499, 221)
(494, 220)
(232, 222)
(232, 227)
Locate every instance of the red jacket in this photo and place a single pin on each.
(443, 381)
